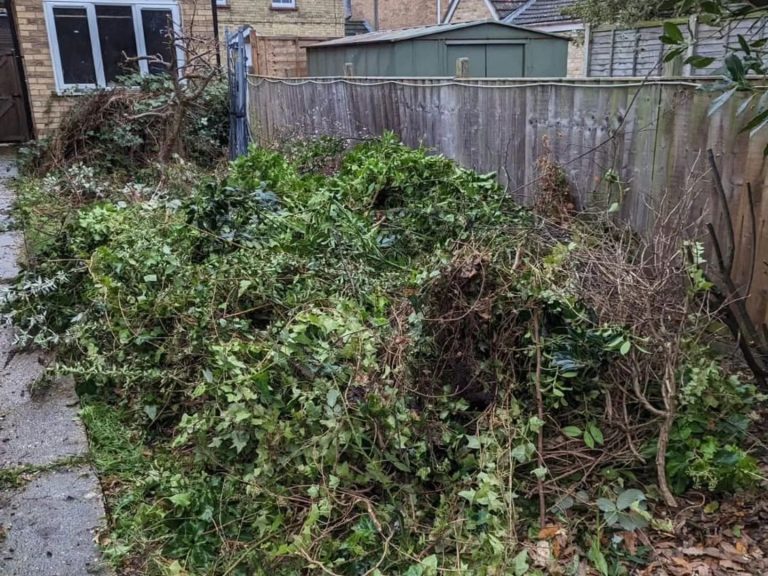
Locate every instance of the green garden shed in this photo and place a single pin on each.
(494, 50)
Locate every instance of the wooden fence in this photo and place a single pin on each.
(620, 51)
(281, 56)
(651, 136)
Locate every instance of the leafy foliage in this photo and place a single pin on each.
(706, 451)
(338, 372)
(742, 63)
(745, 60)
(129, 125)
(620, 12)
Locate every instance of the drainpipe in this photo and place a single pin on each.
(375, 14)
(215, 12)
(439, 12)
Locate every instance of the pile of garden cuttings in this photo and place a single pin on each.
(391, 369)
(138, 122)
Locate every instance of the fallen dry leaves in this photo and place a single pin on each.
(732, 540)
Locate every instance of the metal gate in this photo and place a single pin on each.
(14, 116)
(237, 72)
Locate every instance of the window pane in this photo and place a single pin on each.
(157, 24)
(74, 45)
(118, 41)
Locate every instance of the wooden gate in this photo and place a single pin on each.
(14, 124)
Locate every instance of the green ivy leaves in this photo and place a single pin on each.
(592, 435)
(627, 512)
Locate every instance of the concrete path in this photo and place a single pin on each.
(51, 505)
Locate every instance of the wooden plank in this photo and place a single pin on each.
(13, 111)
(587, 48)
(612, 49)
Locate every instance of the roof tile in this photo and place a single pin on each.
(506, 7)
(535, 12)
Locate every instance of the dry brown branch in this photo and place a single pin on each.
(669, 392)
(752, 340)
(540, 413)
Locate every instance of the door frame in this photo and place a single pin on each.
(26, 103)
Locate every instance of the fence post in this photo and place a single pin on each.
(613, 46)
(349, 69)
(462, 68)
(672, 67)
(587, 48)
(693, 26)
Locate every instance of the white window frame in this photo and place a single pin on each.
(90, 9)
(284, 4)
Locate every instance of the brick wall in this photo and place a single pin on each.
(469, 10)
(576, 57)
(311, 18)
(397, 13)
(48, 107)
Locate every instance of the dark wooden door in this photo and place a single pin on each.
(14, 125)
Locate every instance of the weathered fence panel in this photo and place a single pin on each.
(653, 136)
(623, 51)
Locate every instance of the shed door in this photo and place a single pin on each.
(476, 55)
(489, 60)
(505, 60)
(13, 112)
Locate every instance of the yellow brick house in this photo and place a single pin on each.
(53, 50)
(392, 14)
(279, 31)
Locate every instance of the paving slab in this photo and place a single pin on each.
(6, 197)
(6, 340)
(7, 171)
(6, 205)
(8, 166)
(19, 372)
(10, 243)
(50, 526)
(47, 526)
(42, 431)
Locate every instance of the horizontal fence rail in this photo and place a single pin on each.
(638, 143)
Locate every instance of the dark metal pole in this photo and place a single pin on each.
(375, 14)
(215, 11)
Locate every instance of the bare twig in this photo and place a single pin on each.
(540, 413)
(720, 190)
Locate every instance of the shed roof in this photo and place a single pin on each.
(421, 31)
